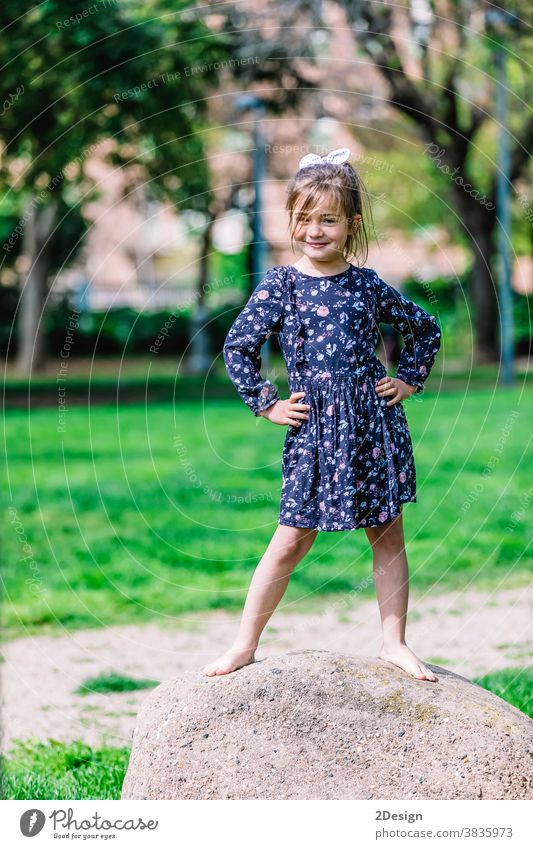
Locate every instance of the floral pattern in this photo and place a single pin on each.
(351, 464)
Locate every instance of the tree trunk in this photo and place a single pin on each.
(36, 248)
(484, 298)
(479, 224)
(203, 271)
(144, 257)
(199, 357)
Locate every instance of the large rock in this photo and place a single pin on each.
(321, 725)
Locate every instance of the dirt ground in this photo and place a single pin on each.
(470, 633)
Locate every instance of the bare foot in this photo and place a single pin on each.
(230, 661)
(401, 655)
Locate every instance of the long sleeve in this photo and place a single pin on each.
(420, 331)
(254, 324)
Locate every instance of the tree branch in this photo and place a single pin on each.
(372, 27)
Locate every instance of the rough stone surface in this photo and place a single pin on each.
(325, 725)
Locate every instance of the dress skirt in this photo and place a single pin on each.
(351, 464)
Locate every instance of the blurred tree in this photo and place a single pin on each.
(449, 95)
(267, 43)
(132, 75)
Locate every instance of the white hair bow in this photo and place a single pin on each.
(335, 156)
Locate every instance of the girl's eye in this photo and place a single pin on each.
(327, 220)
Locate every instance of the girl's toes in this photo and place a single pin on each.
(428, 674)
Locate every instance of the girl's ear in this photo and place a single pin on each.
(353, 223)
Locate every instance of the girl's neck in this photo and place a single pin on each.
(319, 269)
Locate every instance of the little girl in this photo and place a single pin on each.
(347, 457)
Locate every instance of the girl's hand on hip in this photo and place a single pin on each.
(289, 412)
(398, 389)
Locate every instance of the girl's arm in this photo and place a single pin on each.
(254, 324)
(420, 331)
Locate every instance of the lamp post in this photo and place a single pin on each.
(498, 22)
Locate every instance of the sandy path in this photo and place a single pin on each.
(470, 633)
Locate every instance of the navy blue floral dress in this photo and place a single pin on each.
(350, 465)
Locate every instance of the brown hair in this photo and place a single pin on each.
(346, 189)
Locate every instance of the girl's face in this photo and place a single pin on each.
(321, 234)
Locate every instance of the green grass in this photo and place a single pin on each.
(513, 685)
(161, 512)
(52, 770)
(113, 682)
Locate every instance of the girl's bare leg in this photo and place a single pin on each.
(285, 550)
(391, 579)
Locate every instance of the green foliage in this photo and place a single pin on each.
(450, 299)
(445, 297)
(523, 323)
(120, 331)
(53, 770)
(9, 298)
(114, 682)
(437, 296)
(120, 72)
(126, 80)
(229, 271)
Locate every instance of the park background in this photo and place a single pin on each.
(146, 149)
